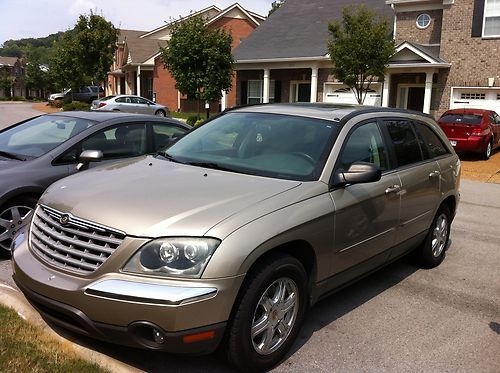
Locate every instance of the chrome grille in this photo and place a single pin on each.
(72, 243)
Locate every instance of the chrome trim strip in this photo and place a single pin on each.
(141, 292)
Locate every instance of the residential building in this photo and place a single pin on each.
(12, 74)
(138, 69)
(446, 55)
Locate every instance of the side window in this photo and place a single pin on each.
(125, 140)
(120, 99)
(404, 140)
(365, 144)
(164, 135)
(432, 146)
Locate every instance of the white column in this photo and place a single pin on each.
(118, 87)
(428, 92)
(138, 81)
(128, 89)
(385, 91)
(314, 84)
(178, 100)
(223, 101)
(265, 98)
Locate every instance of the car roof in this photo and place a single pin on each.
(333, 112)
(101, 116)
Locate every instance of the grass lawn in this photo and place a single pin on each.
(175, 114)
(26, 348)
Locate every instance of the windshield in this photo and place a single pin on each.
(461, 118)
(40, 135)
(280, 146)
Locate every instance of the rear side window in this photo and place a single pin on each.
(431, 144)
(461, 118)
(365, 145)
(404, 140)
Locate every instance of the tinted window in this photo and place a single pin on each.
(164, 135)
(281, 146)
(40, 135)
(365, 145)
(430, 143)
(126, 140)
(461, 118)
(406, 147)
(120, 99)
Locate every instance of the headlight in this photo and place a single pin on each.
(173, 257)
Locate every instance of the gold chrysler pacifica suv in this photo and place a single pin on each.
(226, 238)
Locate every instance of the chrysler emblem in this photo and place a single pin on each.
(64, 219)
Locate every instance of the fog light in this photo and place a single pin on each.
(158, 336)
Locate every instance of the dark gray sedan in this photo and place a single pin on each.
(36, 152)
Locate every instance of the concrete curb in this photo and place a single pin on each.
(14, 299)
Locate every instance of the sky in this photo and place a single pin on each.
(38, 18)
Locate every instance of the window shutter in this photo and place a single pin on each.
(244, 92)
(277, 91)
(477, 19)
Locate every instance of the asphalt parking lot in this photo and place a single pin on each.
(401, 318)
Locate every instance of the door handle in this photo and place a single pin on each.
(434, 174)
(393, 189)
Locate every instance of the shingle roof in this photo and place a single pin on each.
(129, 34)
(8, 61)
(430, 50)
(299, 29)
(141, 50)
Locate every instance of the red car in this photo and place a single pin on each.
(472, 130)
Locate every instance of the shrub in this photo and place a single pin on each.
(198, 122)
(192, 120)
(76, 105)
(18, 98)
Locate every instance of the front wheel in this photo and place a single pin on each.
(268, 314)
(14, 216)
(433, 251)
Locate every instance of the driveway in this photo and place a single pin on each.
(401, 318)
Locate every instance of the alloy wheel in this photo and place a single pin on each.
(12, 220)
(275, 316)
(439, 235)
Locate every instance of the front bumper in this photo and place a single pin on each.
(161, 314)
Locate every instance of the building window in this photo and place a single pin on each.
(472, 96)
(491, 23)
(498, 96)
(423, 20)
(256, 91)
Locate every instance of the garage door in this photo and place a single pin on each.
(476, 98)
(341, 94)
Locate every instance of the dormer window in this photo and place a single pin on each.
(423, 21)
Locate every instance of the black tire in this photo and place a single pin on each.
(487, 152)
(433, 250)
(240, 348)
(160, 113)
(23, 205)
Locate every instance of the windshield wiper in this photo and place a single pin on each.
(171, 158)
(11, 155)
(212, 165)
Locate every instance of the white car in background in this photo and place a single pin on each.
(130, 104)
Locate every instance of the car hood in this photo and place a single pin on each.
(7, 163)
(149, 197)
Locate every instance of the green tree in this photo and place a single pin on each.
(360, 49)
(37, 76)
(275, 5)
(199, 59)
(84, 55)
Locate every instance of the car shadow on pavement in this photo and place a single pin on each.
(322, 314)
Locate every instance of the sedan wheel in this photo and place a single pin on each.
(12, 220)
(160, 113)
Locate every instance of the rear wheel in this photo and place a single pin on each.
(433, 251)
(14, 216)
(160, 113)
(268, 314)
(487, 152)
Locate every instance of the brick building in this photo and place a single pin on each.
(12, 75)
(137, 68)
(446, 56)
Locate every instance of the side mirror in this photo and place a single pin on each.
(358, 173)
(86, 157)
